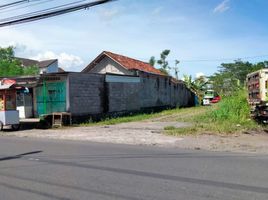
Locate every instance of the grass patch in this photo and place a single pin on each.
(231, 115)
(132, 118)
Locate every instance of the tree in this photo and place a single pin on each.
(176, 69)
(152, 61)
(164, 65)
(232, 76)
(10, 66)
(197, 85)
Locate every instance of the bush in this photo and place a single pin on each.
(234, 108)
(230, 115)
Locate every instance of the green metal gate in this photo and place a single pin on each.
(51, 97)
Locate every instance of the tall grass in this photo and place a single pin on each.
(230, 115)
(234, 108)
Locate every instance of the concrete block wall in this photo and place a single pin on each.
(86, 93)
(123, 96)
(155, 91)
(92, 94)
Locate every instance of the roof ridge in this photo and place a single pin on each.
(48, 60)
(127, 57)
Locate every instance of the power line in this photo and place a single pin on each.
(37, 16)
(216, 59)
(13, 3)
(40, 11)
(23, 6)
(16, 3)
(226, 59)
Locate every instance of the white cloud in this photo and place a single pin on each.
(109, 14)
(222, 7)
(12, 37)
(66, 61)
(199, 74)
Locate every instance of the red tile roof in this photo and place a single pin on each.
(133, 64)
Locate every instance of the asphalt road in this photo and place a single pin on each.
(62, 170)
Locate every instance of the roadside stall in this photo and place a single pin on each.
(9, 116)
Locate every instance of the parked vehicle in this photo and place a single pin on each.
(257, 83)
(211, 96)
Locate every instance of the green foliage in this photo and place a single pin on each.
(152, 61)
(163, 60)
(231, 77)
(164, 65)
(197, 85)
(234, 108)
(132, 118)
(31, 70)
(230, 116)
(10, 66)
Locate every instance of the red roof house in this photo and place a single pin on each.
(108, 62)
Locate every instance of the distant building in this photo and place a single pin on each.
(45, 66)
(108, 62)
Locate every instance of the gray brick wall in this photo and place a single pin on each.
(90, 94)
(123, 96)
(155, 91)
(86, 93)
(161, 91)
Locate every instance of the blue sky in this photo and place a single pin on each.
(200, 33)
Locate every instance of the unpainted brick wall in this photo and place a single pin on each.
(161, 91)
(90, 94)
(123, 96)
(86, 93)
(155, 91)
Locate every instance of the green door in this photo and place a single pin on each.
(51, 97)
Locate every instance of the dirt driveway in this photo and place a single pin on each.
(150, 132)
(138, 133)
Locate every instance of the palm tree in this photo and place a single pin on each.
(197, 85)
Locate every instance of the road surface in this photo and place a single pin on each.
(63, 170)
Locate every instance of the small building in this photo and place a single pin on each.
(108, 62)
(45, 66)
(110, 84)
(154, 89)
(78, 93)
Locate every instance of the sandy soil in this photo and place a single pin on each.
(150, 132)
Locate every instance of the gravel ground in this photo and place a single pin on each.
(150, 132)
(137, 133)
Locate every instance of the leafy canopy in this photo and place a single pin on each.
(164, 64)
(231, 77)
(10, 66)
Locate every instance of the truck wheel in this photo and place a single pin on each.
(15, 127)
(1, 126)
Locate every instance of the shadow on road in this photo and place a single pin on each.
(19, 155)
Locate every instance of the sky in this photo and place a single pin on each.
(202, 34)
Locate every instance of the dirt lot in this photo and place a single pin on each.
(150, 132)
